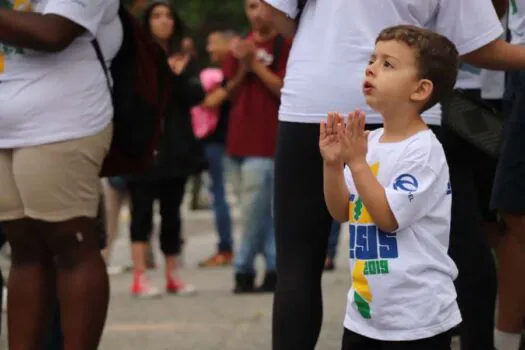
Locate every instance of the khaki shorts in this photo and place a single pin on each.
(53, 182)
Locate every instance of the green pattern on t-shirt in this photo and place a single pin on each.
(358, 209)
(362, 306)
(514, 7)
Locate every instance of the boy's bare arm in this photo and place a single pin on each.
(285, 25)
(336, 193)
(373, 196)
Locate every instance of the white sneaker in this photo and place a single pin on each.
(116, 270)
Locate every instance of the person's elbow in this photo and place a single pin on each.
(59, 34)
(338, 211)
(387, 223)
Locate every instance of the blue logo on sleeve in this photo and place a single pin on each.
(406, 182)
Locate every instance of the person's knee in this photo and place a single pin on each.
(516, 227)
(26, 242)
(73, 241)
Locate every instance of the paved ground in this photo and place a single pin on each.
(212, 320)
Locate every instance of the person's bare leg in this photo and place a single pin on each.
(139, 251)
(113, 201)
(511, 288)
(31, 285)
(83, 285)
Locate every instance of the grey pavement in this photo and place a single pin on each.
(214, 319)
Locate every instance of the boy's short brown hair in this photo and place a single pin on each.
(437, 57)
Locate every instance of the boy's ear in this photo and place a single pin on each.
(423, 91)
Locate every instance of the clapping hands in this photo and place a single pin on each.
(340, 143)
(244, 51)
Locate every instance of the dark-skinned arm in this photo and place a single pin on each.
(497, 55)
(48, 33)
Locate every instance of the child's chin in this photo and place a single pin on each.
(371, 102)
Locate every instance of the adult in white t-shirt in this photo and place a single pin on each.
(55, 130)
(331, 48)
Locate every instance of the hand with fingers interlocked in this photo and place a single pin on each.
(329, 143)
(353, 138)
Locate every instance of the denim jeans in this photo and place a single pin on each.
(253, 181)
(333, 240)
(215, 157)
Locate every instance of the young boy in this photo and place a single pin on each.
(395, 192)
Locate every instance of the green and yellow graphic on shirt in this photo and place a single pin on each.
(18, 5)
(513, 7)
(370, 248)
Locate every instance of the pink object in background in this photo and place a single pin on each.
(204, 120)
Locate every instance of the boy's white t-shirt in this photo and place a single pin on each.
(402, 283)
(335, 39)
(517, 21)
(52, 97)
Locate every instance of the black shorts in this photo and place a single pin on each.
(508, 194)
(354, 341)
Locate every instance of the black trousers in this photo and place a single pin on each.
(170, 193)
(302, 227)
(354, 341)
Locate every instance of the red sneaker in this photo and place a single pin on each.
(176, 286)
(142, 288)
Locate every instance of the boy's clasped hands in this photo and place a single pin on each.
(344, 143)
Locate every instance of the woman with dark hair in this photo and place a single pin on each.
(179, 157)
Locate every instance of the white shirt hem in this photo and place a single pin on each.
(370, 119)
(22, 142)
(402, 335)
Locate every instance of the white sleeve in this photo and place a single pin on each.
(469, 24)
(86, 13)
(414, 191)
(289, 7)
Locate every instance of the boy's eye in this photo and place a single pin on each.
(388, 65)
(370, 62)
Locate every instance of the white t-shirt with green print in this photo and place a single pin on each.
(52, 97)
(517, 21)
(402, 282)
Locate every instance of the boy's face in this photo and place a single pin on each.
(392, 78)
(251, 8)
(218, 47)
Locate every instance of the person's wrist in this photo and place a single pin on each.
(357, 164)
(331, 165)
